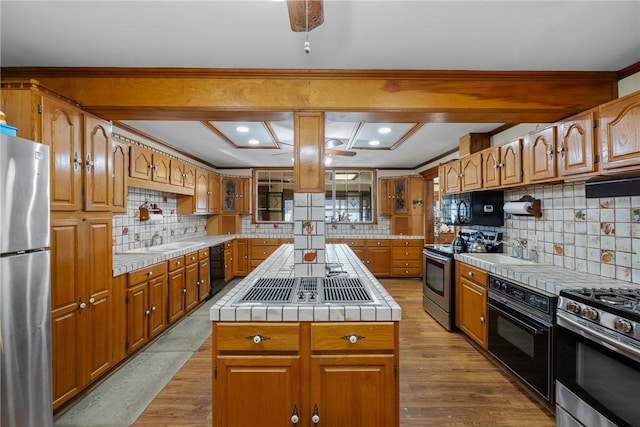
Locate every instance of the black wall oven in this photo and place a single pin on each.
(438, 284)
(598, 367)
(521, 333)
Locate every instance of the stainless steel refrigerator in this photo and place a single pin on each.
(25, 295)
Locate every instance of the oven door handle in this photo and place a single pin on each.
(597, 337)
(532, 329)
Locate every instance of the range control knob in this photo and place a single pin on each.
(573, 307)
(623, 326)
(590, 313)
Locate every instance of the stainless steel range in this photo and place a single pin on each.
(598, 362)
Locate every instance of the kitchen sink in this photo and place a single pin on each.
(307, 290)
(161, 249)
(500, 259)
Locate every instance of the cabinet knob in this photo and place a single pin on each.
(147, 312)
(471, 273)
(150, 273)
(92, 300)
(153, 308)
(258, 338)
(482, 319)
(178, 263)
(315, 418)
(76, 160)
(81, 305)
(353, 338)
(294, 415)
(184, 290)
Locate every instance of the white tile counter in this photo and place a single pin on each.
(547, 278)
(280, 265)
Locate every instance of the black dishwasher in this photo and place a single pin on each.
(216, 269)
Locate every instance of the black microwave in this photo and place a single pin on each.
(474, 208)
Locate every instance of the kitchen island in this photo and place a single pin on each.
(306, 363)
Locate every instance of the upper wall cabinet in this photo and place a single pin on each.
(576, 145)
(462, 175)
(620, 133)
(149, 165)
(182, 174)
(540, 151)
(236, 194)
(502, 165)
(119, 172)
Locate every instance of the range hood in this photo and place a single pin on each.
(613, 186)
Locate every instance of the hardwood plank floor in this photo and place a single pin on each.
(444, 380)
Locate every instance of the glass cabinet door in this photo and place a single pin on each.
(229, 196)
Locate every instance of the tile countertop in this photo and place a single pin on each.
(124, 263)
(547, 278)
(280, 264)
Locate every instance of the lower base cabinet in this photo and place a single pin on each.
(471, 302)
(305, 374)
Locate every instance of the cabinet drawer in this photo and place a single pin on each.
(406, 263)
(191, 258)
(413, 243)
(407, 253)
(203, 254)
(474, 274)
(368, 336)
(376, 243)
(273, 337)
(265, 242)
(147, 273)
(353, 243)
(176, 263)
(262, 252)
(406, 272)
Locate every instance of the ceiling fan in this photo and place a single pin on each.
(305, 15)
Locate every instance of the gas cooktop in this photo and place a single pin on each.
(621, 301)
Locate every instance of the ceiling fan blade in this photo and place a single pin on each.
(340, 153)
(298, 15)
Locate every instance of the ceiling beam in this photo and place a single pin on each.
(353, 95)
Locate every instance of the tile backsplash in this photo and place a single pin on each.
(598, 236)
(131, 233)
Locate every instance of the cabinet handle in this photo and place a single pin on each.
(81, 305)
(92, 300)
(258, 338)
(294, 415)
(353, 338)
(150, 273)
(76, 160)
(153, 308)
(178, 263)
(482, 319)
(147, 312)
(315, 418)
(471, 273)
(561, 149)
(184, 290)
(198, 283)
(550, 153)
(89, 162)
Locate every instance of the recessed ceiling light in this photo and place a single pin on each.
(374, 142)
(254, 142)
(242, 129)
(384, 130)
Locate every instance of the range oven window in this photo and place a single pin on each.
(434, 275)
(603, 378)
(523, 345)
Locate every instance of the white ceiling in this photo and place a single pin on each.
(356, 34)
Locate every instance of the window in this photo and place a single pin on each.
(348, 195)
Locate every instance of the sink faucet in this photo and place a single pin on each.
(155, 239)
(518, 249)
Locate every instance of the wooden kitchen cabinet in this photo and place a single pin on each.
(406, 257)
(619, 133)
(502, 165)
(577, 147)
(119, 173)
(213, 194)
(182, 174)
(241, 265)
(471, 302)
(464, 174)
(236, 194)
(149, 165)
(385, 196)
(260, 249)
(176, 283)
(204, 275)
(228, 260)
(147, 299)
(191, 273)
(377, 256)
(206, 197)
(81, 301)
(265, 366)
(540, 152)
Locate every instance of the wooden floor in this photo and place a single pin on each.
(444, 380)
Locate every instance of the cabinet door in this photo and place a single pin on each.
(351, 390)
(511, 166)
(204, 281)
(96, 325)
(491, 168)
(379, 260)
(229, 194)
(158, 300)
(176, 176)
(452, 177)
(140, 163)
(241, 257)
(541, 147)
(620, 132)
(385, 196)
(176, 284)
(65, 312)
(257, 390)
(213, 193)
(191, 285)
(202, 191)
(161, 168)
(228, 264)
(244, 195)
(137, 316)
(189, 180)
(473, 310)
(62, 131)
(96, 164)
(471, 171)
(119, 172)
(400, 195)
(576, 142)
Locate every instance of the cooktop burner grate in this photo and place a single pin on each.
(270, 290)
(344, 289)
